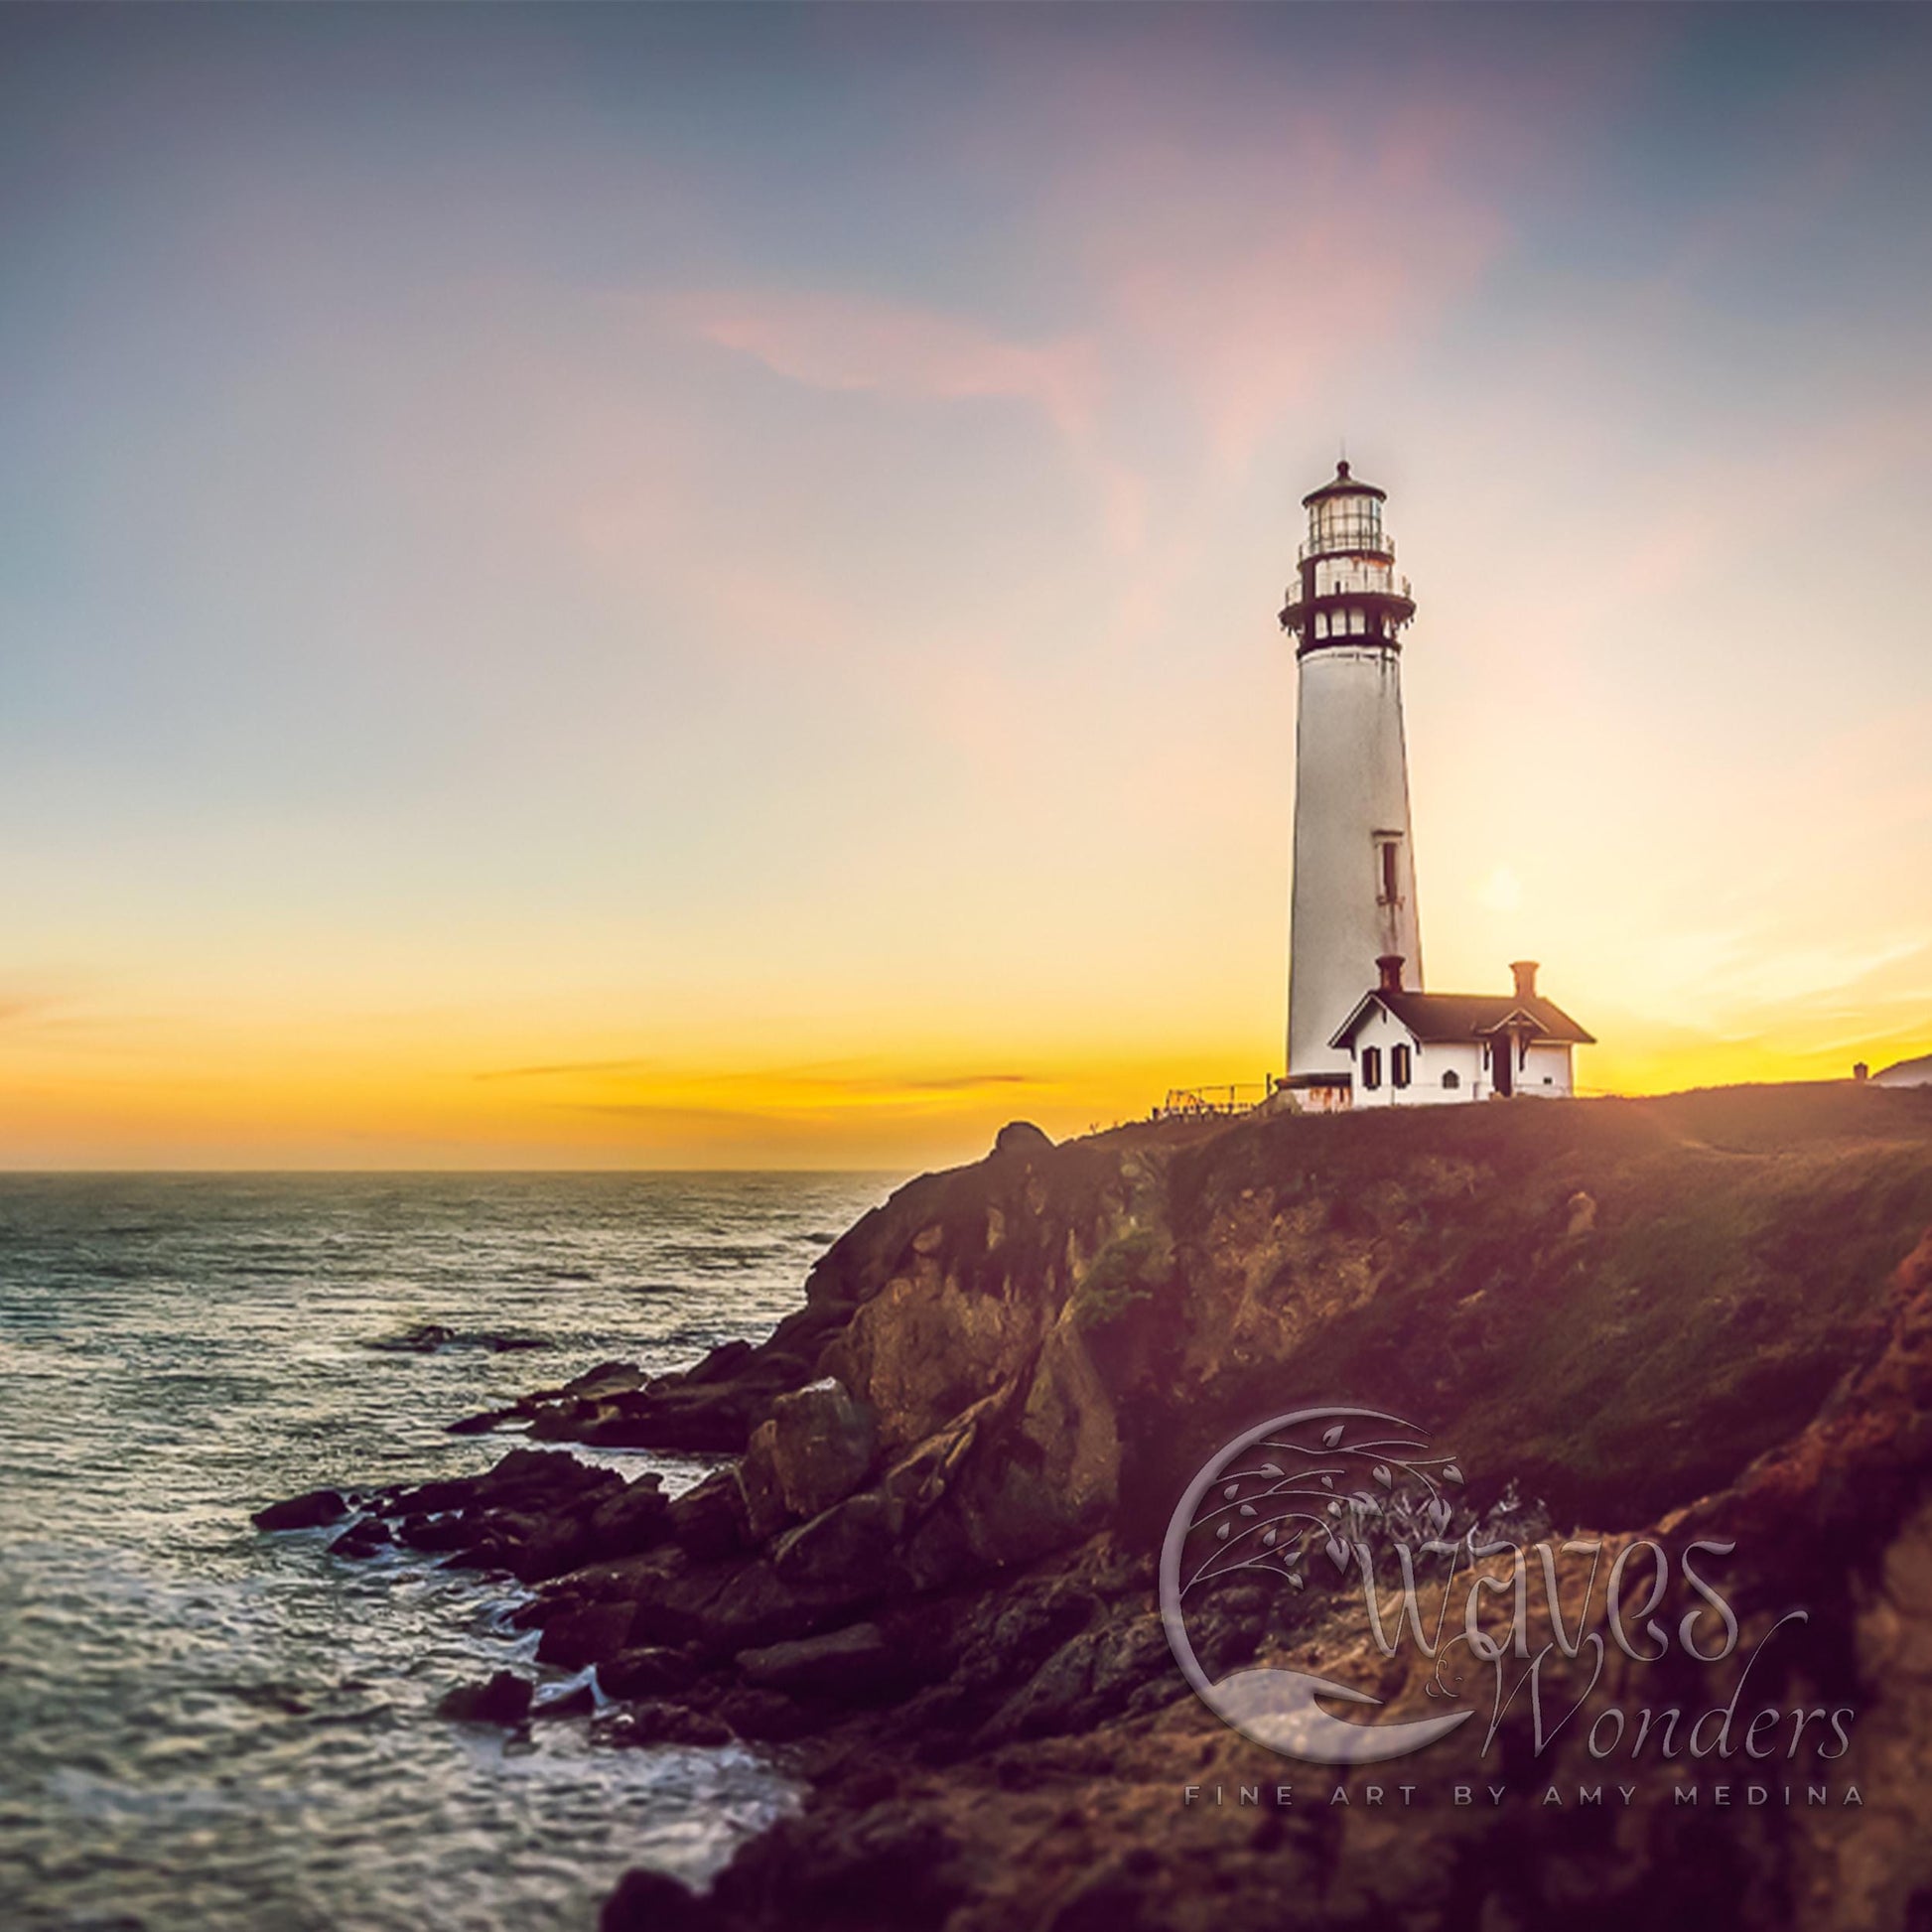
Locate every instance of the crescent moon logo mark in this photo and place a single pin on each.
(1275, 1708)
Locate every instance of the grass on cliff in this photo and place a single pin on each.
(1618, 1304)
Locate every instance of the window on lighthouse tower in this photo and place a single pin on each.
(1386, 852)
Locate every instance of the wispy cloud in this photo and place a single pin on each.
(826, 1080)
(838, 340)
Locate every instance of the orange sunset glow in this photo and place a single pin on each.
(543, 627)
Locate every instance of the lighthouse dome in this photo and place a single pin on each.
(1341, 484)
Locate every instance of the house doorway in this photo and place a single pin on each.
(1502, 1063)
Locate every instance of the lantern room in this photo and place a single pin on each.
(1347, 589)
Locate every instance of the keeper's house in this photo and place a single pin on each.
(1421, 1048)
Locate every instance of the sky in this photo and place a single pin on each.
(608, 587)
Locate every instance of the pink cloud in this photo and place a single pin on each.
(833, 341)
(1258, 276)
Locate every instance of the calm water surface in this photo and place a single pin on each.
(205, 1728)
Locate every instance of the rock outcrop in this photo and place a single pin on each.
(930, 1571)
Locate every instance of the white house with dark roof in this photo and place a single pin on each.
(1418, 1049)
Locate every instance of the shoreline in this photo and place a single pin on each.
(926, 1581)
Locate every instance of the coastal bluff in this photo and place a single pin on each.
(925, 1578)
(1615, 1303)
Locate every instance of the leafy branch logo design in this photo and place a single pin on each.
(1306, 1489)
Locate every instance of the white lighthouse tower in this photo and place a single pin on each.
(1354, 900)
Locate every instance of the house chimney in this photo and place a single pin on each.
(1525, 971)
(1390, 966)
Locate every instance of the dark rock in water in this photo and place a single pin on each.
(307, 1511)
(482, 1425)
(503, 1700)
(1021, 1136)
(769, 1717)
(648, 1669)
(721, 1364)
(532, 1546)
(423, 1340)
(711, 1407)
(606, 1378)
(363, 1539)
(632, 1521)
(891, 1866)
(660, 1723)
(439, 1534)
(426, 1337)
(588, 1635)
(653, 1901)
(531, 1516)
(855, 1659)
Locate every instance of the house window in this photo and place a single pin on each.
(1451, 1078)
(1387, 851)
(1371, 1067)
(1399, 1066)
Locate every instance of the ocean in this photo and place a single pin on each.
(205, 1728)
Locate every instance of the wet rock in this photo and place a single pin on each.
(769, 1717)
(363, 1539)
(635, 1519)
(823, 1446)
(428, 1337)
(532, 1546)
(659, 1721)
(482, 1425)
(503, 1700)
(307, 1511)
(591, 1634)
(653, 1901)
(531, 1516)
(438, 1534)
(851, 1546)
(766, 1510)
(606, 1379)
(422, 1339)
(647, 1670)
(524, 1471)
(891, 1865)
(855, 1659)
(709, 1519)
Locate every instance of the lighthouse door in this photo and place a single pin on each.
(1502, 1063)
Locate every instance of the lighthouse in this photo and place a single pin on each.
(1354, 892)
(1361, 1032)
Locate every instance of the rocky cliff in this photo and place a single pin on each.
(928, 1573)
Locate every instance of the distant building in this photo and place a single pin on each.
(1361, 1031)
